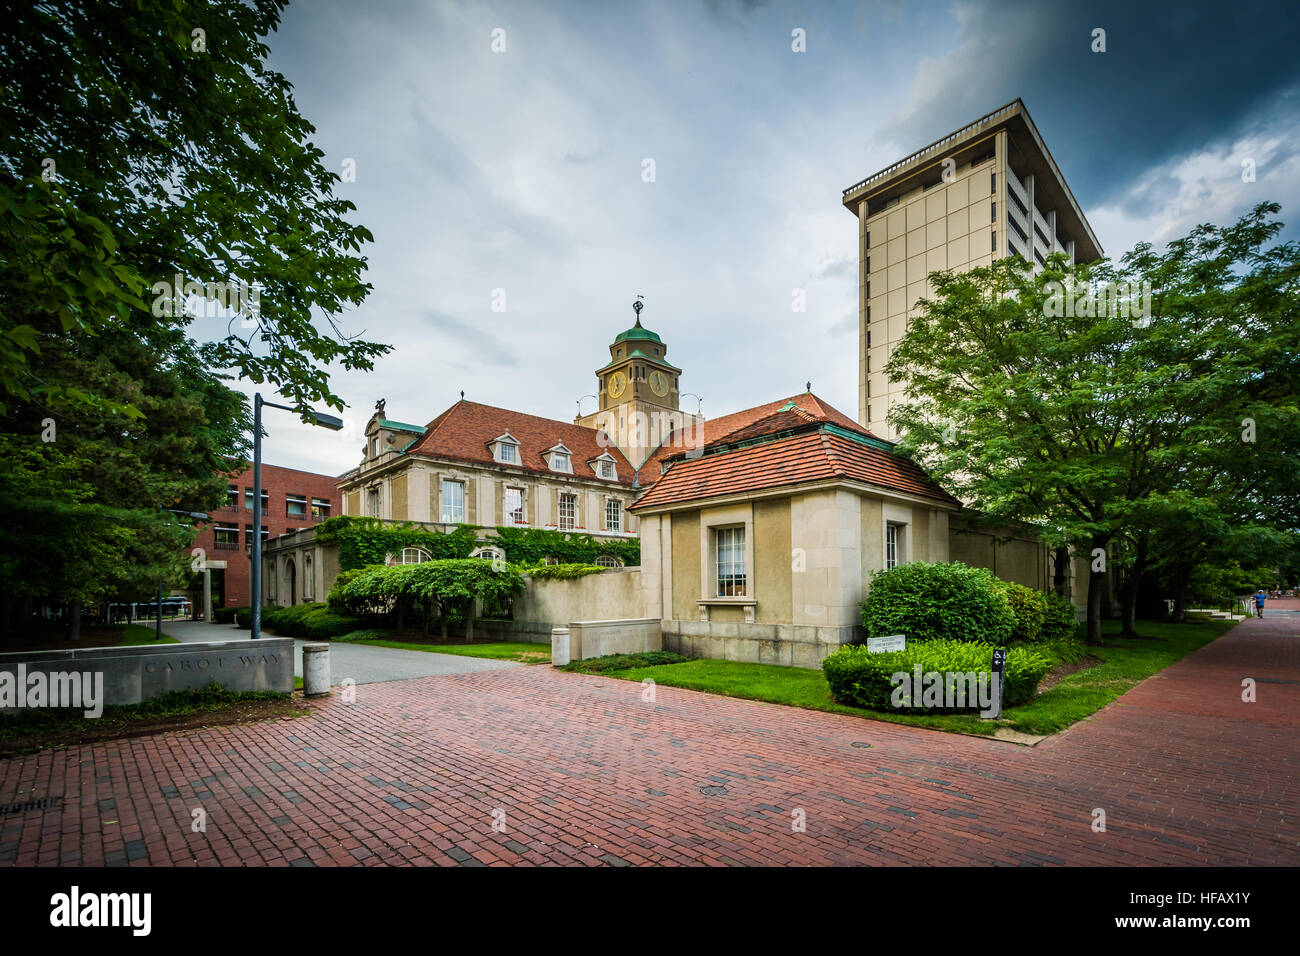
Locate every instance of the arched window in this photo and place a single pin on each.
(308, 580)
(415, 556)
(489, 553)
(608, 561)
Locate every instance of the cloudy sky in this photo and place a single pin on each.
(519, 176)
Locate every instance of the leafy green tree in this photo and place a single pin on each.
(141, 140)
(152, 166)
(1034, 398)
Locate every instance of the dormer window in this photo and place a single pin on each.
(560, 459)
(505, 449)
(605, 467)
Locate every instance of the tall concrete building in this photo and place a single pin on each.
(989, 189)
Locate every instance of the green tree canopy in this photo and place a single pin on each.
(1036, 398)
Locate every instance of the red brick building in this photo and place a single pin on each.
(291, 499)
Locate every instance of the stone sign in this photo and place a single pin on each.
(893, 642)
(134, 674)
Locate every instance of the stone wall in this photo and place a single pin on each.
(601, 638)
(135, 674)
(614, 593)
(790, 645)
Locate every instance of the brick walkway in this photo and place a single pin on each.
(585, 772)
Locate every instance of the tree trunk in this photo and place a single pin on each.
(1129, 596)
(1060, 570)
(1128, 610)
(469, 622)
(1096, 586)
(1096, 590)
(74, 620)
(1180, 596)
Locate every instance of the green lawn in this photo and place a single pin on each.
(1125, 663)
(495, 650)
(134, 634)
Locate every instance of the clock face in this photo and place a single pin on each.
(659, 383)
(617, 384)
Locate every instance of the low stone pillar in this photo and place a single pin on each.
(559, 646)
(315, 670)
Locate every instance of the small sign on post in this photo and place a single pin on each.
(999, 668)
(893, 642)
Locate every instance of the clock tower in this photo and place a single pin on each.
(637, 392)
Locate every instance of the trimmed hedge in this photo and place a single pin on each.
(1060, 621)
(1030, 609)
(226, 615)
(929, 602)
(862, 679)
(561, 572)
(369, 541)
(315, 621)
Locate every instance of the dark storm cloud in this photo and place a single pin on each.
(1175, 78)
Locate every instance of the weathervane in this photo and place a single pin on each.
(637, 306)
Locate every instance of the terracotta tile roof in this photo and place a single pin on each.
(711, 430)
(790, 446)
(463, 433)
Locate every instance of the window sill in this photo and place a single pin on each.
(748, 603)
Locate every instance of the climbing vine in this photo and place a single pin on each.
(368, 541)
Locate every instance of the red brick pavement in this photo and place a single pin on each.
(588, 773)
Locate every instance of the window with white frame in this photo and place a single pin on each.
(415, 556)
(507, 450)
(295, 506)
(729, 558)
(895, 545)
(372, 502)
(453, 502)
(513, 506)
(608, 561)
(561, 460)
(568, 517)
(613, 515)
(606, 468)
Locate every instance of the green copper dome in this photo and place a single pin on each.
(637, 332)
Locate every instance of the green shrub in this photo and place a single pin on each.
(365, 634)
(369, 541)
(562, 572)
(862, 679)
(929, 602)
(622, 662)
(314, 621)
(435, 591)
(1029, 608)
(336, 599)
(1060, 622)
(226, 615)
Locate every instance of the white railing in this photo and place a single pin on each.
(937, 144)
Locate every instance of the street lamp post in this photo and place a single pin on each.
(255, 572)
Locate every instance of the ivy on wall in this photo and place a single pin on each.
(367, 541)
